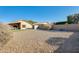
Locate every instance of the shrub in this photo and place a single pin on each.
(61, 23)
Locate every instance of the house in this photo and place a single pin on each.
(21, 25)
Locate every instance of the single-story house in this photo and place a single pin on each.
(21, 25)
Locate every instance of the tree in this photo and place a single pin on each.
(73, 19)
(30, 21)
(69, 19)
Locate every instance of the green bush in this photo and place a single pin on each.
(60, 23)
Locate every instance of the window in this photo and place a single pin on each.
(23, 26)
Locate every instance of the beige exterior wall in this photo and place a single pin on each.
(27, 25)
(70, 27)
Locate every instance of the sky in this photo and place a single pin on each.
(37, 13)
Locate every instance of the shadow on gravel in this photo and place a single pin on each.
(55, 40)
(66, 45)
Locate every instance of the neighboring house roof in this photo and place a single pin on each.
(13, 22)
(28, 21)
(18, 21)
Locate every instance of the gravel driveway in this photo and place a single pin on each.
(42, 41)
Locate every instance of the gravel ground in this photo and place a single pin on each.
(38, 41)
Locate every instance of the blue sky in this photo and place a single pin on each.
(37, 13)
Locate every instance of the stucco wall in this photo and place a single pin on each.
(25, 23)
(69, 27)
